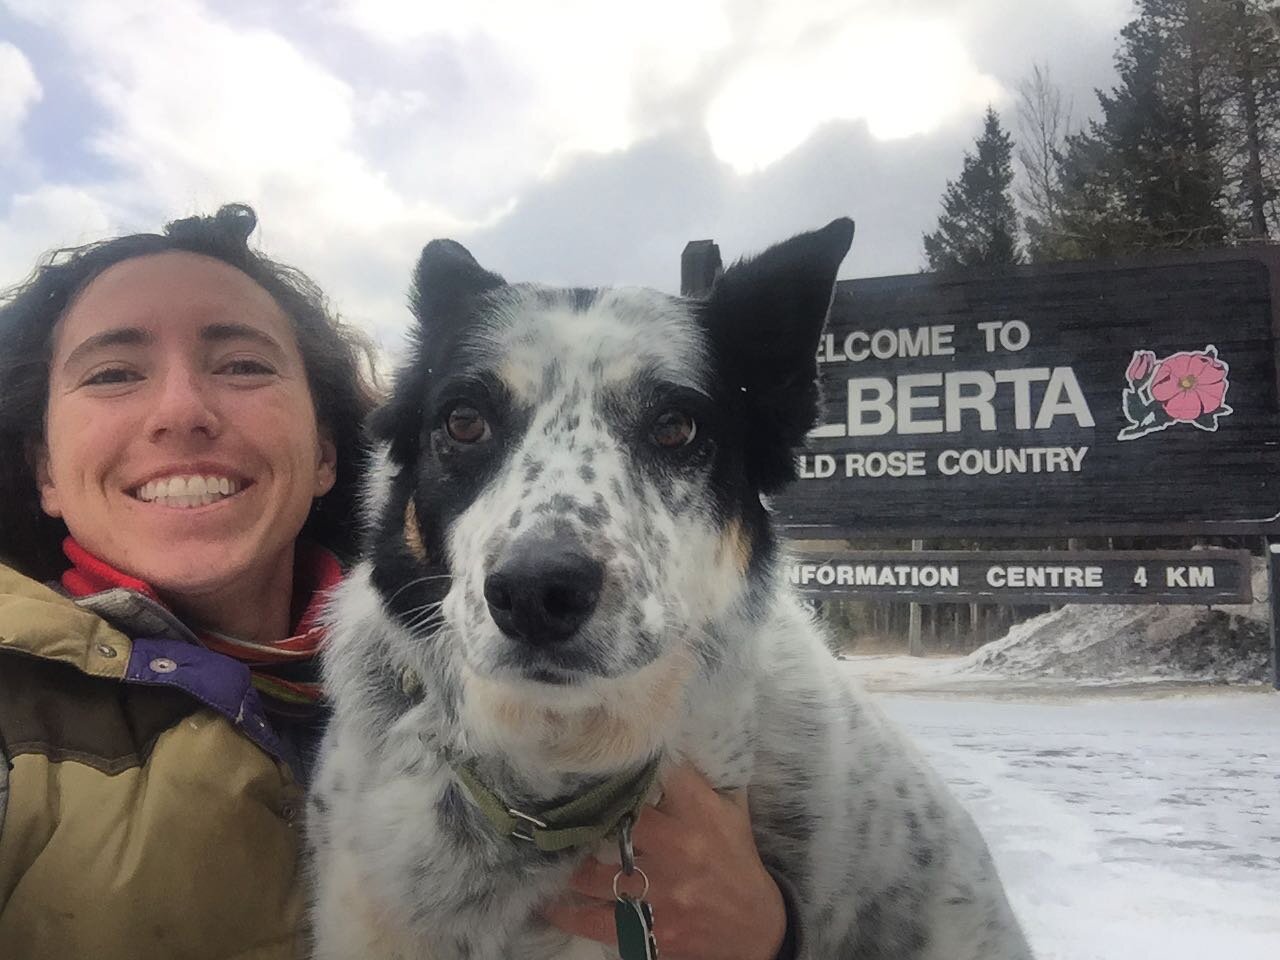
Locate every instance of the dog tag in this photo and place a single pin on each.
(634, 921)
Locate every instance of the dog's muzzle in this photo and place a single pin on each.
(543, 590)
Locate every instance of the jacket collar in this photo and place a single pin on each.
(286, 671)
(316, 571)
(122, 635)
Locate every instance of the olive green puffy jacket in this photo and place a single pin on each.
(148, 811)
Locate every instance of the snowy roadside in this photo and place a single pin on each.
(1090, 648)
(1125, 826)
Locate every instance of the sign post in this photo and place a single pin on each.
(1273, 582)
(700, 268)
(915, 644)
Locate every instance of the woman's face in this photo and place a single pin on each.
(181, 443)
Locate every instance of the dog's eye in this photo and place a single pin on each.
(466, 425)
(674, 429)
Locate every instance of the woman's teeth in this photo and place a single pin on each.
(187, 491)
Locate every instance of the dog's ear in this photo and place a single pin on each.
(447, 276)
(398, 422)
(765, 316)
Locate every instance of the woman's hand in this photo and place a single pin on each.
(712, 897)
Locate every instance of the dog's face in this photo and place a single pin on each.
(577, 474)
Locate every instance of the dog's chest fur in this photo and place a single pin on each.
(570, 573)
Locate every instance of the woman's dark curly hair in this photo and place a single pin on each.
(338, 360)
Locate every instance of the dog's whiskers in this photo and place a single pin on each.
(417, 581)
(428, 609)
(425, 625)
(424, 617)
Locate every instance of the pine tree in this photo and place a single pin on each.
(1150, 174)
(1249, 56)
(979, 225)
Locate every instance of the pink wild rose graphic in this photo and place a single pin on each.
(1187, 387)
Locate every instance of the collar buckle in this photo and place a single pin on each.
(525, 825)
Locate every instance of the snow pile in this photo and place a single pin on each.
(1103, 644)
(1123, 644)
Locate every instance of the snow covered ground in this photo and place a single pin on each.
(1126, 826)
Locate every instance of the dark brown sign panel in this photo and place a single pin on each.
(1073, 398)
(1013, 577)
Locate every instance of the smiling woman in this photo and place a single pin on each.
(177, 369)
(183, 423)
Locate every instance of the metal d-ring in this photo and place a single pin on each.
(643, 893)
(626, 850)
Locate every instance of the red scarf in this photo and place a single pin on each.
(287, 670)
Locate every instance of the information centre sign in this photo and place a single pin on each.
(1015, 577)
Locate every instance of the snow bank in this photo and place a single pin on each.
(1110, 644)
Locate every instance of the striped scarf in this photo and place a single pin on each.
(287, 671)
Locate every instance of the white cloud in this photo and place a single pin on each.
(195, 102)
(19, 92)
(904, 76)
(198, 113)
(598, 77)
(43, 220)
(581, 71)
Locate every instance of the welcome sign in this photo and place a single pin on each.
(1110, 398)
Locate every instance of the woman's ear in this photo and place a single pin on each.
(38, 457)
(326, 464)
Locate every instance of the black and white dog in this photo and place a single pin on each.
(570, 578)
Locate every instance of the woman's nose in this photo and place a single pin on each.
(184, 405)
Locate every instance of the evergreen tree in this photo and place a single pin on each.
(978, 226)
(1249, 56)
(1150, 174)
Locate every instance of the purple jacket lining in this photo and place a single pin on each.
(220, 683)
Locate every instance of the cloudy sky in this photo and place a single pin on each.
(566, 141)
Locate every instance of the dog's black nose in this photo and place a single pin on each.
(542, 592)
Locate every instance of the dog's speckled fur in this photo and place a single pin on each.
(696, 649)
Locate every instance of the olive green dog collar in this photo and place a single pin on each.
(583, 821)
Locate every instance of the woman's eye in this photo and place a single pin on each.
(109, 376)
(246, 368)
(674, 429)
(466, 425)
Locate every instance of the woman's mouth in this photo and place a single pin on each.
(186, 492)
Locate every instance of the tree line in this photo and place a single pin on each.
(1184, 154)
